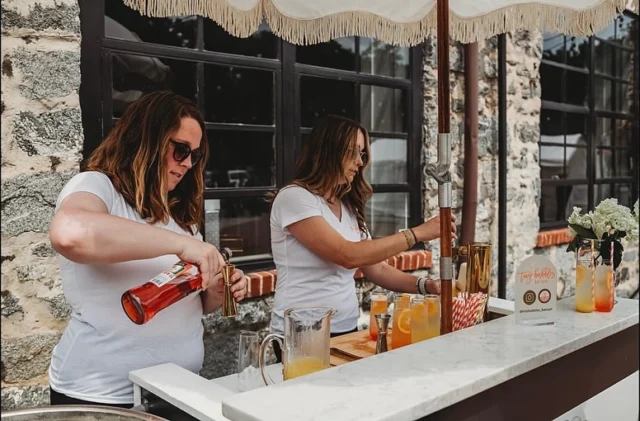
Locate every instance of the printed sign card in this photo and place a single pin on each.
(535, 291)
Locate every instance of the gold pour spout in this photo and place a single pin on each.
(229, 306)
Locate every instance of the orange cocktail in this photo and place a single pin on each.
(379, 305)
(584, 287)
(419, 320)
(401, 331)
(604, 289)
(433, 315)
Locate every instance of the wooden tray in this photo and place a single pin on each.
(353, 346)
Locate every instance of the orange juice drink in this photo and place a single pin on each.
(401, 331)
(584, 287)
(604, 289)
(303, 366)
(433, 315)
(379, 305)
(419, 320)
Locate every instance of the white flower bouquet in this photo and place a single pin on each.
(609, 222)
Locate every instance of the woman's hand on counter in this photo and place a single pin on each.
(430, 229)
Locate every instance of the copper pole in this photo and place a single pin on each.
(444, 179)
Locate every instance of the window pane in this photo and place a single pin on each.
(575, 124)
(624, 65)
(262, 43)
(622, 162)
(383, 109)
(551, 79)
(553, 47)
(551, 124)
(378, 58)
(236, 95)
(559, 162)
(242, 224)
(577, 51)
(624, 97)
(624, 133)
(240, 159)
(135, 75)
(387, 213)
(577, 88)
(604, 163)
(557, 201)
(603, 93)
(337, 54)
(604, 57)
(319, 97)
(388, 161)
(122, 22)
(604, 131)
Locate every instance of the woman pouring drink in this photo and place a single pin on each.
(319, 236)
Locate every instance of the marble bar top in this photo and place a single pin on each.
(418, 380)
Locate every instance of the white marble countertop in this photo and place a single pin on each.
(418, 380)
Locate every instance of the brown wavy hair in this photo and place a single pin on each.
(132, 156)
(320, 168)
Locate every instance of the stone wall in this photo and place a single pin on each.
(41, 148)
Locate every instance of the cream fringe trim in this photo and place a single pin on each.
(523, 16)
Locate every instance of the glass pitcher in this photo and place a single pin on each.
(305, 344)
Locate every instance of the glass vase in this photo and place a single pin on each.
(595, 277)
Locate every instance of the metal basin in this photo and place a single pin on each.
(78, 413)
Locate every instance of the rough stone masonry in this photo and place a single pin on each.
(42, 142)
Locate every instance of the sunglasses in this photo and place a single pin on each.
(363, 155)
(181, 151)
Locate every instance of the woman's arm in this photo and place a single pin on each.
(83, 231)
(388, 277)
(319, 237)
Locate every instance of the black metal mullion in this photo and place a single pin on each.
(414, 142)
(564, 66)
(559, 106)
(564, 181)
(350, 76)
(239, 127)
(233, 192)
(357, 90)
(213, 57)
(290, 118)
(91, 67)
(107, 84)
(591, 122)
(636, 111)
(392, 188)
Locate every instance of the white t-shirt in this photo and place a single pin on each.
(100, 346)
(304, 278)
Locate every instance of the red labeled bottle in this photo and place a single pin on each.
(143, 302)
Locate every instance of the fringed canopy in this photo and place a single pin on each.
(397, 22)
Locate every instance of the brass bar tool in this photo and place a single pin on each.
(229, 305)
(382, 321)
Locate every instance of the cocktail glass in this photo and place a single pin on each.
(401, 331)
(379, 305)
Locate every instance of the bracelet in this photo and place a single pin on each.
(409, 237)
(415, 239)
(420, 283)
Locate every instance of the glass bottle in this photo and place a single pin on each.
(143, 302)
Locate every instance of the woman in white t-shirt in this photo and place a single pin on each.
(318, 224)
(133, 212)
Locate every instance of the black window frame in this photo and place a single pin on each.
(592, 113)
(97, 116)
